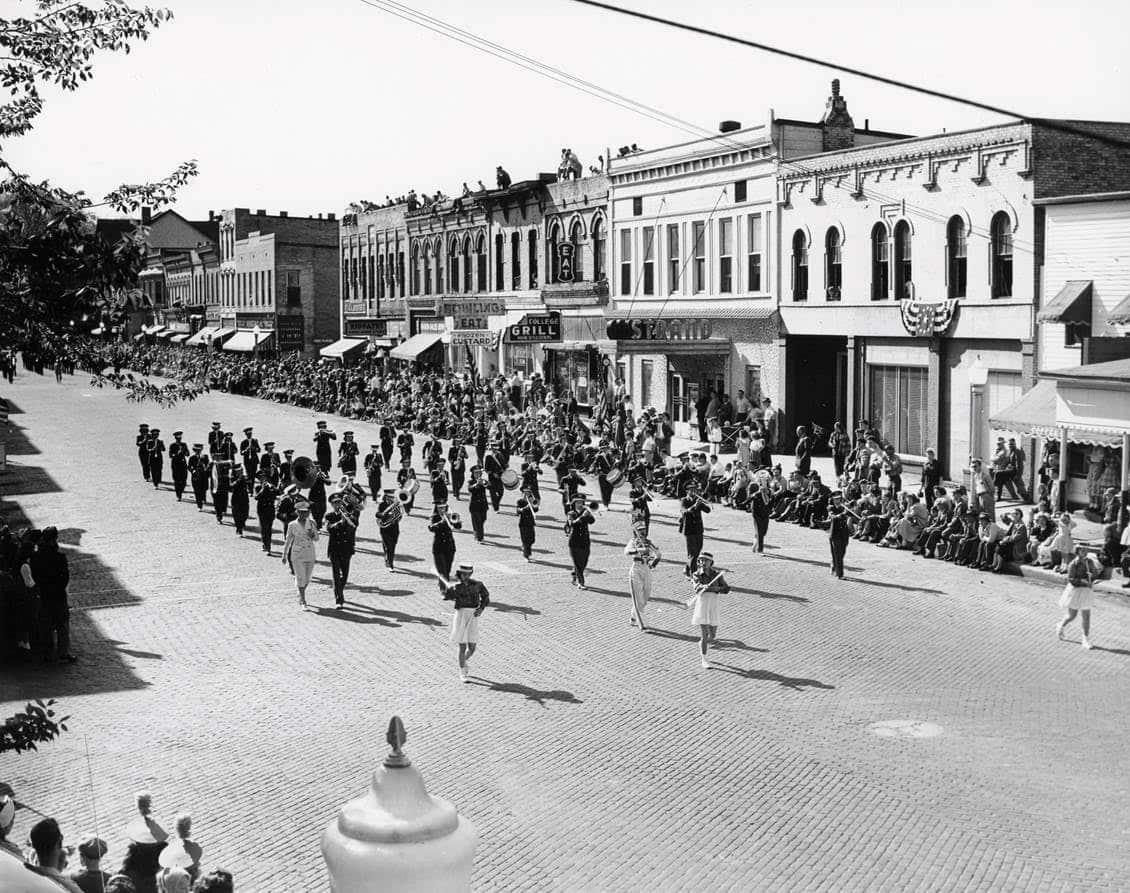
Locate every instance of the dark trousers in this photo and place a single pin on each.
(180, 480)
(838, 461)
(199, 491)
(251, 468)
(580, 556)
(266, 530)
(839, 549)
(760, 528)
(494, 485)
(443, 561)
(694, 546)
(325, 462)
(457, 481)
(389, 536)
(605, 490)
(339, 564)
(478, 519)
(56, 619)
(527, 536)
(386, 452)
(156, 469)
(220, 502)
(143, 458)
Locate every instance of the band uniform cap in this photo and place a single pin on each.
(837, 493)
(321, 424)
(215, 424)
(262, 474)
(578, 497)
(288, 452)
(178, 434)
(465, 568)
(198, 446)
(373, 446)
(291, 490)
(248, 430)
(92, 847)
(154, 430)
(347, 434)
(440, 503)
(705, 556)
(269, 443)
(476, 468)
(335, 497)
(389, 491)
(143, 427)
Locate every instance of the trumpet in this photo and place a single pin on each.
(533, 503)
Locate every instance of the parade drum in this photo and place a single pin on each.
(616, 478)
(413, 487)
(510, 479)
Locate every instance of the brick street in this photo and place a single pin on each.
(590, 756)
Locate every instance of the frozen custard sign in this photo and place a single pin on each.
(659, 329)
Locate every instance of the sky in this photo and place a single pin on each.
(307, 106)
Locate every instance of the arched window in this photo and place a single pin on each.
(880, 263)
(577, 239)
(516, 260)
(1001, 248)
(481, 263)
(427, 269)
(390, 270)
(903, 268)
(438, 250)
(467, 273)
(833, 265)
(956, 257)
(453, 266)
(499, 262)
(800, 266)
(551, 247)
(597, 250)
(532, 257)
(415, 270)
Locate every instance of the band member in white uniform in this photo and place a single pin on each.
(645, 557)
(299, 551)
(471, 599)
(708, 583)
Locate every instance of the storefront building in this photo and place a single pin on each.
(374, 312)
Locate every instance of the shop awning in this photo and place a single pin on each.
(180, 338)
(201, 336)
(243, 341)
(1033, 415)
(221, 335)
(1072, 306)
(151, 330)
(416, 345)
(343, 348)
(1120, 315)
(167, 333)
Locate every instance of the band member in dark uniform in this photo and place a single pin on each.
(690, 525)
(221, 487)
(342, 532)
(323, 453)
(569, 483)
(265, 495)
(388, 519)
(760, 505)
(200, 471)
(373, 465)
(317, 497)
(143, 449)
(156, 457)
(227, 448)
(580, 545)
(286, 510)
(601, 465)
(215, 440)
(285, 478)
(839, 532)
(404, 442)
(270, 463)
(249, 451)
(240, 499)
(405, 479)
(477, 493)
(433, 450)
(530, 477)
(457, 460)
(438, 479)
(492, 465)
(347, 454)
(527, 523)
(443, 542)
(178, 461)
(387, 435)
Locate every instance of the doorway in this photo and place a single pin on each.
(817, 385)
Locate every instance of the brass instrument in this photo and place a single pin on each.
(391, 515)
(533, 503)
(304, 472)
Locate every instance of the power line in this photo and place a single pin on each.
(1051, 124)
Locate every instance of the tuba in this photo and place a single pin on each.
(304, 472)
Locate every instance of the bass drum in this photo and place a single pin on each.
(510, 479)
(616, 478)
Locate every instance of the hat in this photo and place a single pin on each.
(178, 434)
(270, 445)
(465, 568)
(438, 503)
(578, 497)
(301, 505)
(321, 424)
(288, 452)
(198, 446)
(347, 434)
(143, 427)
(248, 430)
(7, 811)
(291, 490)
(262, 474)
(91, 847)
(836, 493)
(215, 424)
(154, 430)
(335, 497)
(476, 468)
(706, 556)
(372, 446)
(389, 491)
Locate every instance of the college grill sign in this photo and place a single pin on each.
(658, 329)
(535, 329)
(926, 320)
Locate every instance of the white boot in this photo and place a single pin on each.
(1087, 643)
(705, 663)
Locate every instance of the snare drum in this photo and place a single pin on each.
(616, 478)
(510, 479)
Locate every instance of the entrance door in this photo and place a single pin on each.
(677, 397)
(711, 381)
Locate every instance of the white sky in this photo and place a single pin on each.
(306, 106)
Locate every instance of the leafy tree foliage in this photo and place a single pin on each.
(36, 724)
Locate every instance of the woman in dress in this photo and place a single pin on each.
(1063, 544)
(299, 550)
(708, 583)
(1078, 596)
(760, 505)
(645, 557)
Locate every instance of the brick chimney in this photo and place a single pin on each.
(146, 215)
(839, 129)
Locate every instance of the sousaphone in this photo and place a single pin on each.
(304, 471)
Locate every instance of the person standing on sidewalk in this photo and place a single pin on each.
(299, 551)
(471, 599)
(342, 533)
(52, 575)
(1078, 595)
(839, 532)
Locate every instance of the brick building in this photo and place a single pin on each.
(280, 274)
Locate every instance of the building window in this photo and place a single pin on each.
(415, 270)
(427, 269)
(345, 276)
(400, 272)
(439, 267)
(647, 373)
(453, 266)
(726, 256)
(1001, 248)
(293, 289)
(625, 261)
(554, 238)
(740, 191)
(753, 253)
(800, 266)
(637, 206)
(598, 274)
(468, 270)
(380, 277)
(577, 240)
(532, 257)
(903, 267)
(481, 263)
(649, 260)
(499, 262)
(516, 260)
(833, 264)
(897, 402)
(672, 260)
(956, 258)
(699, 230)
(880, 263)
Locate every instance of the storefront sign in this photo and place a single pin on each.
(534, 329)
(421, 324)
(565, 261)
(458, 307)
(659, 329)
(251, 320)
(363, 328)
(212, 317)
(473, 338)
(289, 334)
(461, 321)
(355, 308)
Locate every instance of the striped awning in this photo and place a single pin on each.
(1033, 415)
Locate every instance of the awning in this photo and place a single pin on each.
(745, 308)
(167, 333)
(1120, 315)
(201, 336)
(151, 330)
(243, 341)
(222, 334)
(138, 336)
(1033, 415)
(180, 338)
(1072, 306)
(343, 348)
(416, 345)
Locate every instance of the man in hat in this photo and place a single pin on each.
(386, 434)
(178, 461)
(47, 842)
(457, 461)
(323, 453)
(443, 542)
(284, 511)
(143, 449)
(265, 496)
(7, 820)
(839, 532)
(52, 576)
(492, 465)
(316, 496)
(285, 468)
(156, 448)
(373, 465)
(347, 454)
(601, 465)
(91, 878)
(269, 462)
(240, 499)
(690, 524)
(577, 524)
(471, 599)
(438, 478)
(405, 442)
(215, 439)
(569, 483)
(388, 521)
(477, 494)
(342, 530)
(200, 471)
(221, 485)
(527, 523)
(249, 450)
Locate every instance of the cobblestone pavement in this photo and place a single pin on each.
(916, 727)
